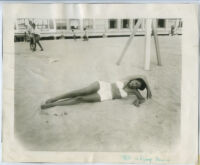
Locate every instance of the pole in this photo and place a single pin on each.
(156, 43)
(148, 44)
(129, 41)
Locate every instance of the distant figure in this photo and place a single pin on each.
(36, 34)
(85, 36)
(172, 30)
(25, 33)
(104, 35)
(25, 37)
(74, 35)
(101, 91)
(31, 36)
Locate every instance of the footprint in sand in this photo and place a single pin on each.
(65, 113)
(44, 113)
(51, 60)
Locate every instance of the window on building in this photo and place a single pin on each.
(41, 24)
(74, 24)
(61, 24)
(51, 25)
(45, 24)
(113, 23)
(21, 23)
(161, 23)
(135, 22)
(88, 23)
(38, 23)
(125, 23)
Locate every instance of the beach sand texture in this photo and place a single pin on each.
(109, 126)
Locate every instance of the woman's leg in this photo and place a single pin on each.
(38, 42)
(92, 88)
(37, 39)
(41, 48)
(80, 99)
(34, 42)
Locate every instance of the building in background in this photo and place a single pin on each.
(62, 28)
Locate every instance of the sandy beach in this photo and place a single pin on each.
(109, 126)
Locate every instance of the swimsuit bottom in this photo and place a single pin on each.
(105, 91)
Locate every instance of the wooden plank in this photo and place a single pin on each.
(156, 43)
(148, 44)
(129, 41)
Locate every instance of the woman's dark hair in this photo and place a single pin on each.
(143, 84)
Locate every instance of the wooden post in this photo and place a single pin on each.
(129, 41)
(156, 43)
(148, 44)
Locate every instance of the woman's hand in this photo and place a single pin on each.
(137, 102)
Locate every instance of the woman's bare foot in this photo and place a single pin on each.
(45, 106)
(136, 103)
(50, 101)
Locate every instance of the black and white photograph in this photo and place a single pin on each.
(92, 84)
(97, 83)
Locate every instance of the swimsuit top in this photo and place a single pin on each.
(120, 86)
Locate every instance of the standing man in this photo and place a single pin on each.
(74, 35)
(172, 30)
(31, 36)
(36, 34)
(85, 37)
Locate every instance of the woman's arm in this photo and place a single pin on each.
(129, 78)
(149, 95)
(140, 99)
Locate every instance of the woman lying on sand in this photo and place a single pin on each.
(101, 91)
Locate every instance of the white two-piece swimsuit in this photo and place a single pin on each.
(105, 91)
